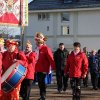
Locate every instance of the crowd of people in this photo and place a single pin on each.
(75, 65)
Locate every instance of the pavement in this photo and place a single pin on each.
(52, 93)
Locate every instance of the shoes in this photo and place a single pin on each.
(64, 89)
(41, 98)
(85, 85)
(59, 91)
(95, 88)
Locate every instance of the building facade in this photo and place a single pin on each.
(65, 21)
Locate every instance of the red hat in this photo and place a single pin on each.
(40, 37)
(11, 41)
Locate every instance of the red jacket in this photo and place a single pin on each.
(0, 69)
(45, 59)
(77, 65)
(8, 59)
(31, 65)
(0, 62)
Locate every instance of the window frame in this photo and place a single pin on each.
(67, 31)
(43, 16)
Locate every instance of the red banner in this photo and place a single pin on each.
(11, 12)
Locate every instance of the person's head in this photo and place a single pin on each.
(11, 45)
(40, 38)
(28, 46)
(85, 49)
(93, 52)
(61, 46)
(77, 46)
(1, 44)
(99, 52)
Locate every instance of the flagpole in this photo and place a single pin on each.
(22, 37)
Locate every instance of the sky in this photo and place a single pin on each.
(29, 0)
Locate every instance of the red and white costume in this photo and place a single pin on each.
(31, 65)
(28, 81)
(44, 59)
(8, 60)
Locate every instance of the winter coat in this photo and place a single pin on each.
(93, 64)
(45, 60)
(60, 58)
(8, 59)
(31, 65)
(77, 65)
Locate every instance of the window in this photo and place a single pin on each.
(65, 16)
(43, 16)
(65, 30)
(47, 28)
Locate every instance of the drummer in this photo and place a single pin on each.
(9, 57)
(27, 82)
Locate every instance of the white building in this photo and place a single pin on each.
(65, 21)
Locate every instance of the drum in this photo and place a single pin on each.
(13, 77)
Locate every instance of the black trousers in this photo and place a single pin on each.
(76, 88)
(94, 79)
(41, 83)
(26, 88)
(62, 81)
(98, 82)
(85, 81)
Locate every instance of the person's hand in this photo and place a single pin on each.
(64, 74)
(84, 76)
(15, 60)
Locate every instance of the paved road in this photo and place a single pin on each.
(52, 94)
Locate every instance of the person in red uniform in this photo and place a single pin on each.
(1, 51)
(44, 59)
(27, 82)
(76, 67)
(9, 57)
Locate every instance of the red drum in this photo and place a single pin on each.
(13, 77)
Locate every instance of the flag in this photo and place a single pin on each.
(24, 14)
(14, 12)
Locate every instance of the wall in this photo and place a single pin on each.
(84, 27)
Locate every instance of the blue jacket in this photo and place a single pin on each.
(93, 63)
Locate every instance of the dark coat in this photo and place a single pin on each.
(60, 58)
(98, 62)
(93, 64)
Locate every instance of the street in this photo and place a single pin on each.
(52, 94)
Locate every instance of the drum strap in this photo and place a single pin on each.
(17, 56)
